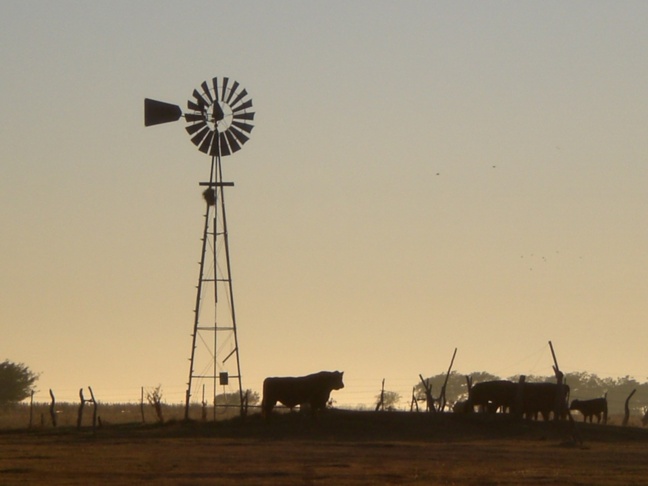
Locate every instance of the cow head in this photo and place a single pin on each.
(574, 405)
(337, 380)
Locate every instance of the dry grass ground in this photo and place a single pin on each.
(338, 448)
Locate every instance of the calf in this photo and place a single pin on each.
(590, 408)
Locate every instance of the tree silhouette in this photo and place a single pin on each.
(389, 400)
(16, 382)
(456, 388)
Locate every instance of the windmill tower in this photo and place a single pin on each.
(218, 117)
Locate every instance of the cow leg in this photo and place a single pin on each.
(266, 407)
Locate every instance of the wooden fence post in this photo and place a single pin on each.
(52, 408)
(94, 409)
(414, 402)
(142, 405)
(468, 407)
(442, 397)
(31, 409)
(627, 408)
(381, 403)
(429, 399)
(246, 403)
(203, 414)
(80, 413)
(560, 409)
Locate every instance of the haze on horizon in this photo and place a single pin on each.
(421, 176)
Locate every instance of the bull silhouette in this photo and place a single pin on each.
(314, 390)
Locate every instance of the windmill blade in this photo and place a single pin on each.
(207, 142)
(231, 140)
(157, 112)
(234, 88)
(225, 83)
(244, 106)
(191, 129)
(240, 136)
(240, 96)
(198, 137)
(243, 126)
(193, 106)
(192, 117)
(224, 148)
(215, 85)
(243, 116)
(207, 92)
(201, 101)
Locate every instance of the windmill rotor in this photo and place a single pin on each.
(218, 116)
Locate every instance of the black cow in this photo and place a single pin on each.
(590, 408)
(491, 395)
(541, 398)
(313, 390)
(537, 398)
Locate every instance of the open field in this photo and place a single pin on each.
(340, 447)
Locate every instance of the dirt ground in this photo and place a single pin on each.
(338, 448)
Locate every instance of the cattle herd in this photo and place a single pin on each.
(530, 400)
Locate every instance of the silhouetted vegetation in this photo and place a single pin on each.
(154, 398)
(16, 382)
(234, 399)
(387, 400)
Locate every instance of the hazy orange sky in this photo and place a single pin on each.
(421, 176)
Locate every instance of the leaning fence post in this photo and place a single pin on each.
(414, 402)
(627, 408)
(381, 402)
(442, 397)
(52, 409)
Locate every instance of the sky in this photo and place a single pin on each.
(422, 176)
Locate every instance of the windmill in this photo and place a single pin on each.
(218, 118)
